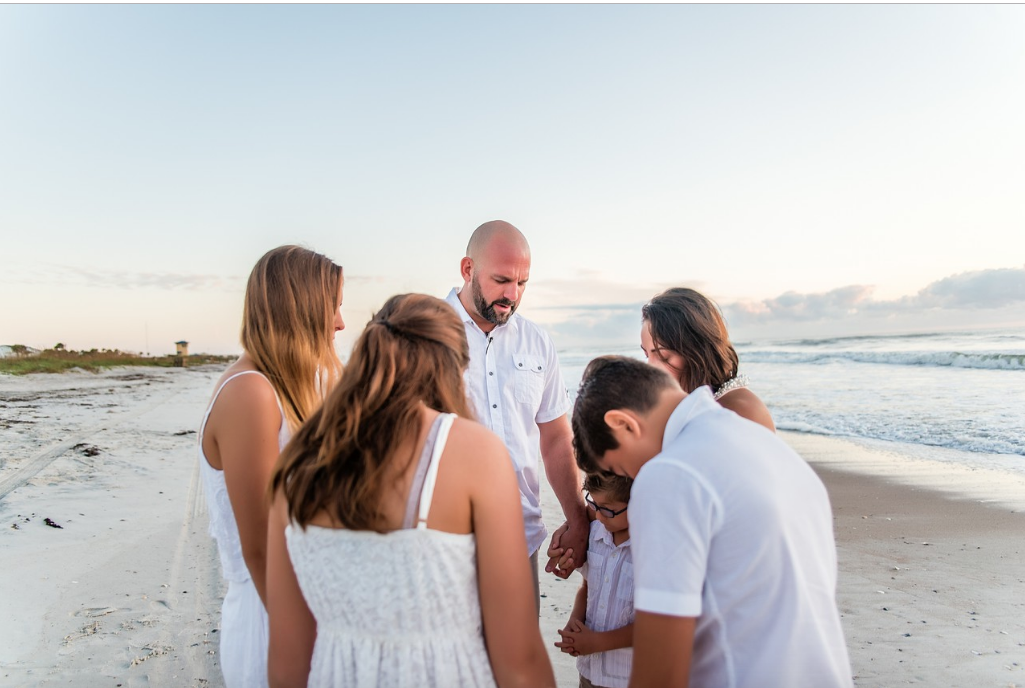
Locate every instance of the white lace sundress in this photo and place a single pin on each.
(243, 644)
(394, 609)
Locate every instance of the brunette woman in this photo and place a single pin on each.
(684, 333)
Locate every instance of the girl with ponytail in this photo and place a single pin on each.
(396, 538)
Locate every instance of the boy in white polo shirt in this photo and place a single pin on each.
(731, 531)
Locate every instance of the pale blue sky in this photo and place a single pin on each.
(150, 154)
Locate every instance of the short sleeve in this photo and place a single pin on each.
(673, 516)
(554, 399)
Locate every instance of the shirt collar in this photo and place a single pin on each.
(693, 405)
(453, 300)
(605, 536)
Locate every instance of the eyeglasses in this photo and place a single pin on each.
(604, 510)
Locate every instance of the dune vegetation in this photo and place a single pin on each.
(23, 360)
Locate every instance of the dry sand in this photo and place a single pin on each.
(127, 591)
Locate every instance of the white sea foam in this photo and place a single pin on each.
(945, 359)
(962, 391)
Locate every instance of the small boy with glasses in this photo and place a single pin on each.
(599, 632)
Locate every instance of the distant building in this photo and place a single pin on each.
(181, 348)
(7, 350)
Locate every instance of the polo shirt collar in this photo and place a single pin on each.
(693, 405)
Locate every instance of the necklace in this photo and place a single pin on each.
(731, 384)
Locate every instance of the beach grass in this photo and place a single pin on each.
(59, 360)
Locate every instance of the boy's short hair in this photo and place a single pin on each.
(617, 487)
(611, 382)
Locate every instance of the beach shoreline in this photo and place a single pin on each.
(127, 591)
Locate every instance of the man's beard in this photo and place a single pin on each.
(487, 310)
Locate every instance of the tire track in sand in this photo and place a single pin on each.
(23, 474)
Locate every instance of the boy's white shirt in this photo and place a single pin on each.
(729, 525)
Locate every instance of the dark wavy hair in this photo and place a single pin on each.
(413, 350)
(689, 323)
(611, 382)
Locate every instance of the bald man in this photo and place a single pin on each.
(515, 382)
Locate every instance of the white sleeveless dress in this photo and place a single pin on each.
(243, 645)
(395, 609)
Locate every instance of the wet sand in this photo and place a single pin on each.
(127, 590)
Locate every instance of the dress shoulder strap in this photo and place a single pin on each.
(422, 463)
(432, 471)
(206, 416)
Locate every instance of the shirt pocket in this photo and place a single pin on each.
(529, 376)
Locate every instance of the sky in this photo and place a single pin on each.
(818, 170)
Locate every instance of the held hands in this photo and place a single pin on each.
(578, 639)
(565, 543)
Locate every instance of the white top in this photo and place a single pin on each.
(514, 383)
(223, 527)
(609, 571)
(731, 526)
(393, 609)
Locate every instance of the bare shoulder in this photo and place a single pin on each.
(471, 441)
(247, 396)
(746, 404)
(477, 455)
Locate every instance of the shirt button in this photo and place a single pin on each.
(494, 406)
(520, 364)
(491, 372)
(539, 367)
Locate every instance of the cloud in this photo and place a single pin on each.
(794, 306)
(963, 299)
(124, 279)
(981, 289)
(589, 287)
(67, 275)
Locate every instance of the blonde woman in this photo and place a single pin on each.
(291, 314)
(396, 538)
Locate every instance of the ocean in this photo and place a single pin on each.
(963, 392)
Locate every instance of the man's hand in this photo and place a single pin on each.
(568, 549)
(560, 559)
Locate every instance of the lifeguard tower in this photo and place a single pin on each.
(181, 355)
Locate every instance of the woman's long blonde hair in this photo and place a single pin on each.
(412, 352)
(288, 326)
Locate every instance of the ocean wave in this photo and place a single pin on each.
(942, 359)
(976, 444)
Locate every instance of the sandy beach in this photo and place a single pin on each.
(110, 579)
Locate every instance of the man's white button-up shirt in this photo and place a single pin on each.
(515, 383)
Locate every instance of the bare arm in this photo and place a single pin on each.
(517, 652)
(293, 630)
(248, 421)
(579, 611)
(564, 477)
(662, 650)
